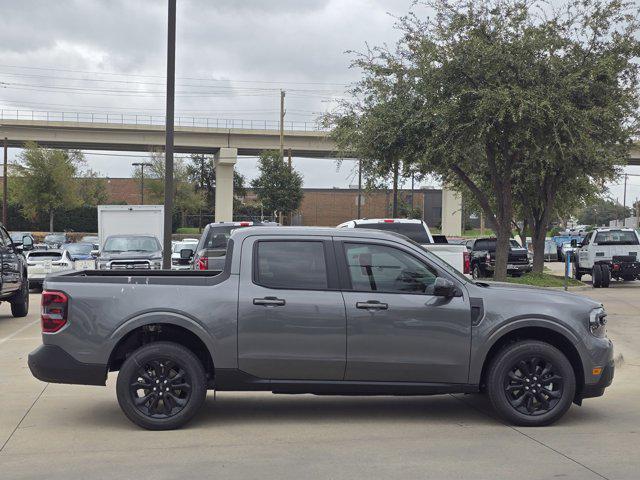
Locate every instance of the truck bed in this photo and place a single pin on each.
(152, 277)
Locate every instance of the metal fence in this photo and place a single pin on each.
(140, 119)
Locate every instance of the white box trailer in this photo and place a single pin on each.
(130, 220)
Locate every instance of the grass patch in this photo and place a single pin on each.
(544, 280)
(188, 230)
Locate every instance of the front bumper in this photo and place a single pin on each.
(51, 363)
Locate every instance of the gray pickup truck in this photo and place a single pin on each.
(321, 311)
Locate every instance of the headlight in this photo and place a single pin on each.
(597, 321)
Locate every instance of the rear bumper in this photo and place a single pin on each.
(51, 363)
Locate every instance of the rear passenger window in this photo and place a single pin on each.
(291, 265)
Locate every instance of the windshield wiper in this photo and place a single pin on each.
(113, 251)
(137, 250)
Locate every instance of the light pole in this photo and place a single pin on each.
(141, 165)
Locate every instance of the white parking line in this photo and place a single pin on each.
(9, 337)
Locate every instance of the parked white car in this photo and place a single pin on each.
(40, 263)
(417, 230)
(177, 262)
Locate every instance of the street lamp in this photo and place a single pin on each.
(141, 165)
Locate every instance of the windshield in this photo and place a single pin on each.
(55, 238)
(16, 237)
(79, 248)
(182, 245)
(44, 256)
(131, 244)
(89, 239)
(414, 231)
(616, 237)
(514, 244)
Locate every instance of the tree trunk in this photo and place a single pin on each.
(539, 237)
(394, 213)
(51, 220)
(503, 235)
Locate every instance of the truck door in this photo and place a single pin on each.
(397, 330)
(291, 316)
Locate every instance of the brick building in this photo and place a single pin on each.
(320, 206)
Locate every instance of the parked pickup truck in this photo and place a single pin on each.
(607, 253)
(418, 231)
(321, 311)
(483, 258)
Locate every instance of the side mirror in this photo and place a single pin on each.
(186, 253)
(27, 242)
(444, 288)
(574, 243)
(95, 253)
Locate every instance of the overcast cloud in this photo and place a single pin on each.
(233, 57)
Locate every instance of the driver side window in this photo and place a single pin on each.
(386, 269)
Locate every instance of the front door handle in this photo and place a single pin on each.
(269, 301)
(372, 305)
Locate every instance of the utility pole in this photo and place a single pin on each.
(282, 95)
(141, 165)
(412, 188)
(359, 189)
(168, 151)
(624, 199)
(4, 185)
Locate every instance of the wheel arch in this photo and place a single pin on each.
(161, 327)
(546, 332)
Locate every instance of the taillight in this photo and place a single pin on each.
(388, 220)
(54, 311)
(202, 263)
(245, 224)
(466, 262)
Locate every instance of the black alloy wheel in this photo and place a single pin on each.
(532, 386)
(162, 388)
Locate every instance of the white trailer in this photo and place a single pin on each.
(130, 220)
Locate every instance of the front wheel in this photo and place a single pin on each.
(606, 275)
(531, 383)
(577, 274)
(161, 386)
(596, 276)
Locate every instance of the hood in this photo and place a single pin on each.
(107, 256)
(545, 298)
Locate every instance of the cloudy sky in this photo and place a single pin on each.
(232, 59)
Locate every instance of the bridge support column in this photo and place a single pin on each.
(451, 212)
(225, 160)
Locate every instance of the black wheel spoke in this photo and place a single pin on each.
(173, 386)
(532, 387)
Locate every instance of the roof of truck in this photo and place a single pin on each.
(314, 231)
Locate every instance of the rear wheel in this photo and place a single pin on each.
(476, 273)
(596, 276)
(606, 275)
(20, 301)
(161, 386)
(531, 383)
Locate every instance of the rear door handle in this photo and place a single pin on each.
(372, 305)
(269, 301)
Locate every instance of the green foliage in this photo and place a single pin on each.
(278, 188)
(44, 180)
(544, 280)
(92, 188)
(601, 211)
(526, 112)
(187, 199)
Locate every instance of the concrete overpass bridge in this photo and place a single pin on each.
(225, 139)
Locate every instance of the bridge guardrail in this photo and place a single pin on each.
(139, 119)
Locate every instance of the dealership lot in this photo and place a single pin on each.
(62, 431)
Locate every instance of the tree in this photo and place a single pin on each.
(45, 180)
(187, 199)
(507, 96)
(601, 211)
(278, 188)
(92, 188)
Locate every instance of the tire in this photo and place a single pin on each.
(476, 273)
(577, 274)
(149, 363)
(606, 276)
(541, 360)
(596, 275)
(20, 301)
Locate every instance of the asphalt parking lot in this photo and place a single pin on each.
(72, 432)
